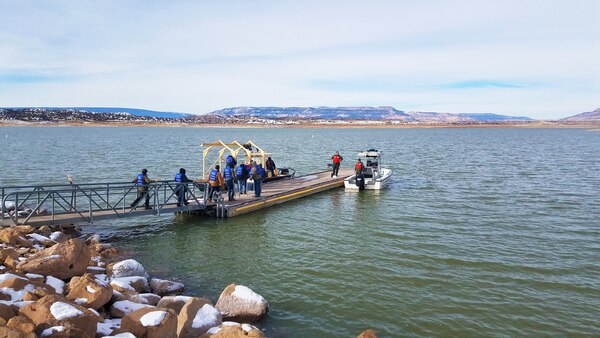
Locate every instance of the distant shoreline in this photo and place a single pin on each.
(595, 126)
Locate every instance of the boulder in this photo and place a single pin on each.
(63, 260)
(127, 295)
(240, 303)
(44, 230)
(134, 283)
(58, 237)
(11, 236)
(6, 312)
(121, 308)
(196, 317)
(367, 334)
(43, 240)
(164, 287)
(8, 252)
(21, 323)
(57, 310)
(233, 330)
(126, 268)
(24, 229)
(173, 302)
(59, 331)
(150, 323)
(15, 333)
(89, 291)
(18, 288)
(11, 263)
(149, 298)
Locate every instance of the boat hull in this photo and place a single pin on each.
(370, 183)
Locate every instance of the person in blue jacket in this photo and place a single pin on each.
(181, 178)
(241, 174)
(143, 181)
(229, 175)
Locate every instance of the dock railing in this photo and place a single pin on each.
(20, 204)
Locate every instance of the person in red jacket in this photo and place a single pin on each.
(358, 167)
(337, 160)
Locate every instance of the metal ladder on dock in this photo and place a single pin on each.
(73, 203)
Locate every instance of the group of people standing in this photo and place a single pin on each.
(337, 161)
(240, 175)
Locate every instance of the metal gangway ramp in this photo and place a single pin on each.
(38, 205)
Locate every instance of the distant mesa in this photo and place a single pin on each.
(384, 115)
(362, 113)
(592, 116)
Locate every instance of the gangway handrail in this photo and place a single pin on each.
(88, 198)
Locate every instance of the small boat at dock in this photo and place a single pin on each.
(372, 176)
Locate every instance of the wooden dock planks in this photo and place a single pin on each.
(286, 190)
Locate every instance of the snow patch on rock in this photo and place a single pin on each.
(205, 316)
(153, 318)
(62, 311)
(244, 292)
(51, 330)
(56, 283)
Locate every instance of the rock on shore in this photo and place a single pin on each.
(53, 283)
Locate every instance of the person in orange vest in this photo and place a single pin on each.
(358, 168)
(337, 160)
(215, 181)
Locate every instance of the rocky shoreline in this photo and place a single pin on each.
(54, 282)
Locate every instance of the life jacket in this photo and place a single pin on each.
(140, 179)
(228, 171)
(261, 172)
(239, 172)
(213, 175)
(337, 159)
(178, 178)
(358, 166)
(229, 161)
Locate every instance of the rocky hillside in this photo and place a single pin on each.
(584, 117)
(360, 113)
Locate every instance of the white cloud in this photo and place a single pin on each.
(200, 56)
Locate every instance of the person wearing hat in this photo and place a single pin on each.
(142, 181)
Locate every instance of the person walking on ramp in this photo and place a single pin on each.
(181, 180)
(142, 181)
(337, 160)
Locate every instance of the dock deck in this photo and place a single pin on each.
(285, 190)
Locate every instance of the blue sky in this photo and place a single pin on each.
(535, 58)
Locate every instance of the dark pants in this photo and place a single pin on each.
(181, 190)
(241, 185)
(257, 187)
(272, 172)
(336, 167)
(213, 189)
(230, 189)
(140, 195)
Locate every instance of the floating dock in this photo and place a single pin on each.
(284, 190)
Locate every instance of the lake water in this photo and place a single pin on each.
(483, 232)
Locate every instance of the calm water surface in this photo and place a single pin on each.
(483, 232)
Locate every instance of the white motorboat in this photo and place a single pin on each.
(373, 176)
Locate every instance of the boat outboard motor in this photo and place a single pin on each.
(360, 181)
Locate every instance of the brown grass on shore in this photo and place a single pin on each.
(536, 124)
